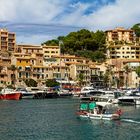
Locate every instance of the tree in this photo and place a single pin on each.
(136, 28)
(83, 40)
(126, 70)
(98, 56)
(138, 73)
(52, 83)
(106, 79)
(80, 79)
(30, 83)
(13, 68)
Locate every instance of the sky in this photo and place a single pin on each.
(36, 21)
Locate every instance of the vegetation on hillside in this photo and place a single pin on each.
(82, 43)
(136, 29)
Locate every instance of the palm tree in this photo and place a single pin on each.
(126, 70)
(80, 79)
(138, 73)
(106, 79)
(13, 68)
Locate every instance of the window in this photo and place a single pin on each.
(20, 68)
(42, 76)
(46, 75)
(46, 51)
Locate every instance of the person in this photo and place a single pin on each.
(95, 110)
(119, 112)
(91, 99)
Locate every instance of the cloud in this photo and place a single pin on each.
(46, 18)
(121, 13)
(97, 14)
(29, 11)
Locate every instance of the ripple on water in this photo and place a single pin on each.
(55, 119)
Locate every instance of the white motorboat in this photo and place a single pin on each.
(111, 96)
(26, 94)
(87, 90)
(129, 98)
(64, 93)
(98, 111)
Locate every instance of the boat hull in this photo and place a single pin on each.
(127, 101)
(13, 96)
(27, 96)
(104, 116)
(100, 116)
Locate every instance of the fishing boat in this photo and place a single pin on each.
(10, 94)
(98, 111)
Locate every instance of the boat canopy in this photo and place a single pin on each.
(103, 104)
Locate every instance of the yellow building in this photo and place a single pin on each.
(50, 51)
(28, 49)
(7, 40)
(120, 34)
(124, 51)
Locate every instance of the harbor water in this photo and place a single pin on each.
(55, 119)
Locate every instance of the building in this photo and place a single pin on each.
(96, 76)
(28, 49)
(123, 51)
(50, 51)
(7, 40)
(120, 35)
(133, 80)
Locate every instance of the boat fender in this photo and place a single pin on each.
(101, 117)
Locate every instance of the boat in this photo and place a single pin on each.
(64, 93)
(111, 96)
(130, 98)
(88, 92)
(10, 94)
(26, 94)
(45, 93)
(99, 111)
